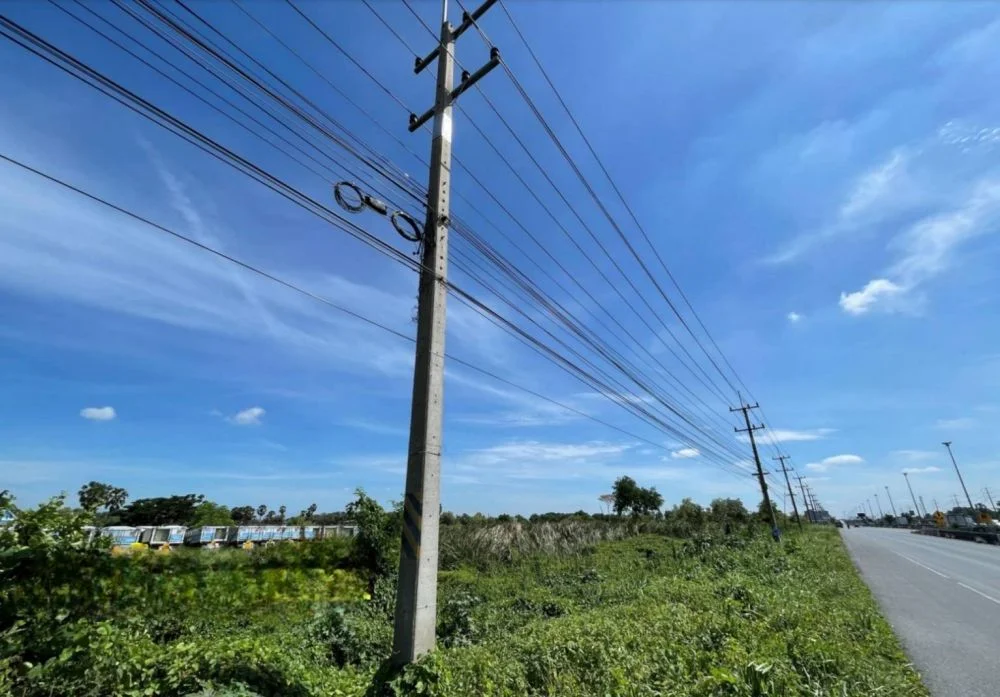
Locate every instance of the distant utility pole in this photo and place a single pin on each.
(906, 476)
(923, 506)
(989, 497)
(936, 507)
(745, 408)
(891, 504)
(879, 504)
(869, 502)
(955, 497)
(805, 501)
(947, 444)
(788, 483)
(416, 595)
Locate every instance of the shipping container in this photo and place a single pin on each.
(122, 535)
(210, 535)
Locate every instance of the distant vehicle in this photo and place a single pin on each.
(839, 523)
(960, 521)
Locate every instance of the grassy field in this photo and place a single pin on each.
(608, 614)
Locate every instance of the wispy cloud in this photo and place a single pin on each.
(958, 424)
(247, 417)
(834, 461)
(685, 453)
(958, 182)
(921, 470)
(873, 194)
(787, 435)
(794, 317)
(915, 455)
(378, 427)
(98, 413)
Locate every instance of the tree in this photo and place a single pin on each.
(262, 510)
(379, 532)
(211, 513)
(97, 495)
(649, 501)
(626, 494)
(281, 513)
(728, 511)
(765, 517)
(242, 515)
(689, 513)
(307, 514)
(163, 510)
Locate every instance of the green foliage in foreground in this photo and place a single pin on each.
(522, 611)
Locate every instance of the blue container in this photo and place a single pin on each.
(122, 536)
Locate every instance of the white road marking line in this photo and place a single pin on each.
(977, 592)
(924, 566)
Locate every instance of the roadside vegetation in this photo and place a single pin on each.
(689, 602)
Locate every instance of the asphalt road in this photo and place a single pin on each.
(942, 597)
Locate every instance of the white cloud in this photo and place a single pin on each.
(914, 455)
(794, 317)
(925, 249)
(685, 453)
(921, 470)
(834, 461)
(551, 452)
(787, 435)
(880, 290)
(959, 424)
(98, 413)
(873, 194)
(873, 186)
(247, 417)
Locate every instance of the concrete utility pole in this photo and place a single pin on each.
(923, 506)
(869, 502)
(906, 476)
(805, 500)
(947, 444)
(416, 595)
(745, 408)
(879, 504)
(891, 504)
(788, 483)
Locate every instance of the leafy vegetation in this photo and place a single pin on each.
(567, 605)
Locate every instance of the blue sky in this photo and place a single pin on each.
(821, 178)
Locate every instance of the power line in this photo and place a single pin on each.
(254, 60)
(314, 296)
(202, 144)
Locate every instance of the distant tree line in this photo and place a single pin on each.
(108, 504)
(111, 506)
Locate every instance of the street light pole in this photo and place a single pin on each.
(947, 444)
(906, 476)
(891, 504)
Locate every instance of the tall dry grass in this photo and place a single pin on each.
(485, 545)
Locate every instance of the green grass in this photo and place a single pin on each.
(649, 616)
(643, 616)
